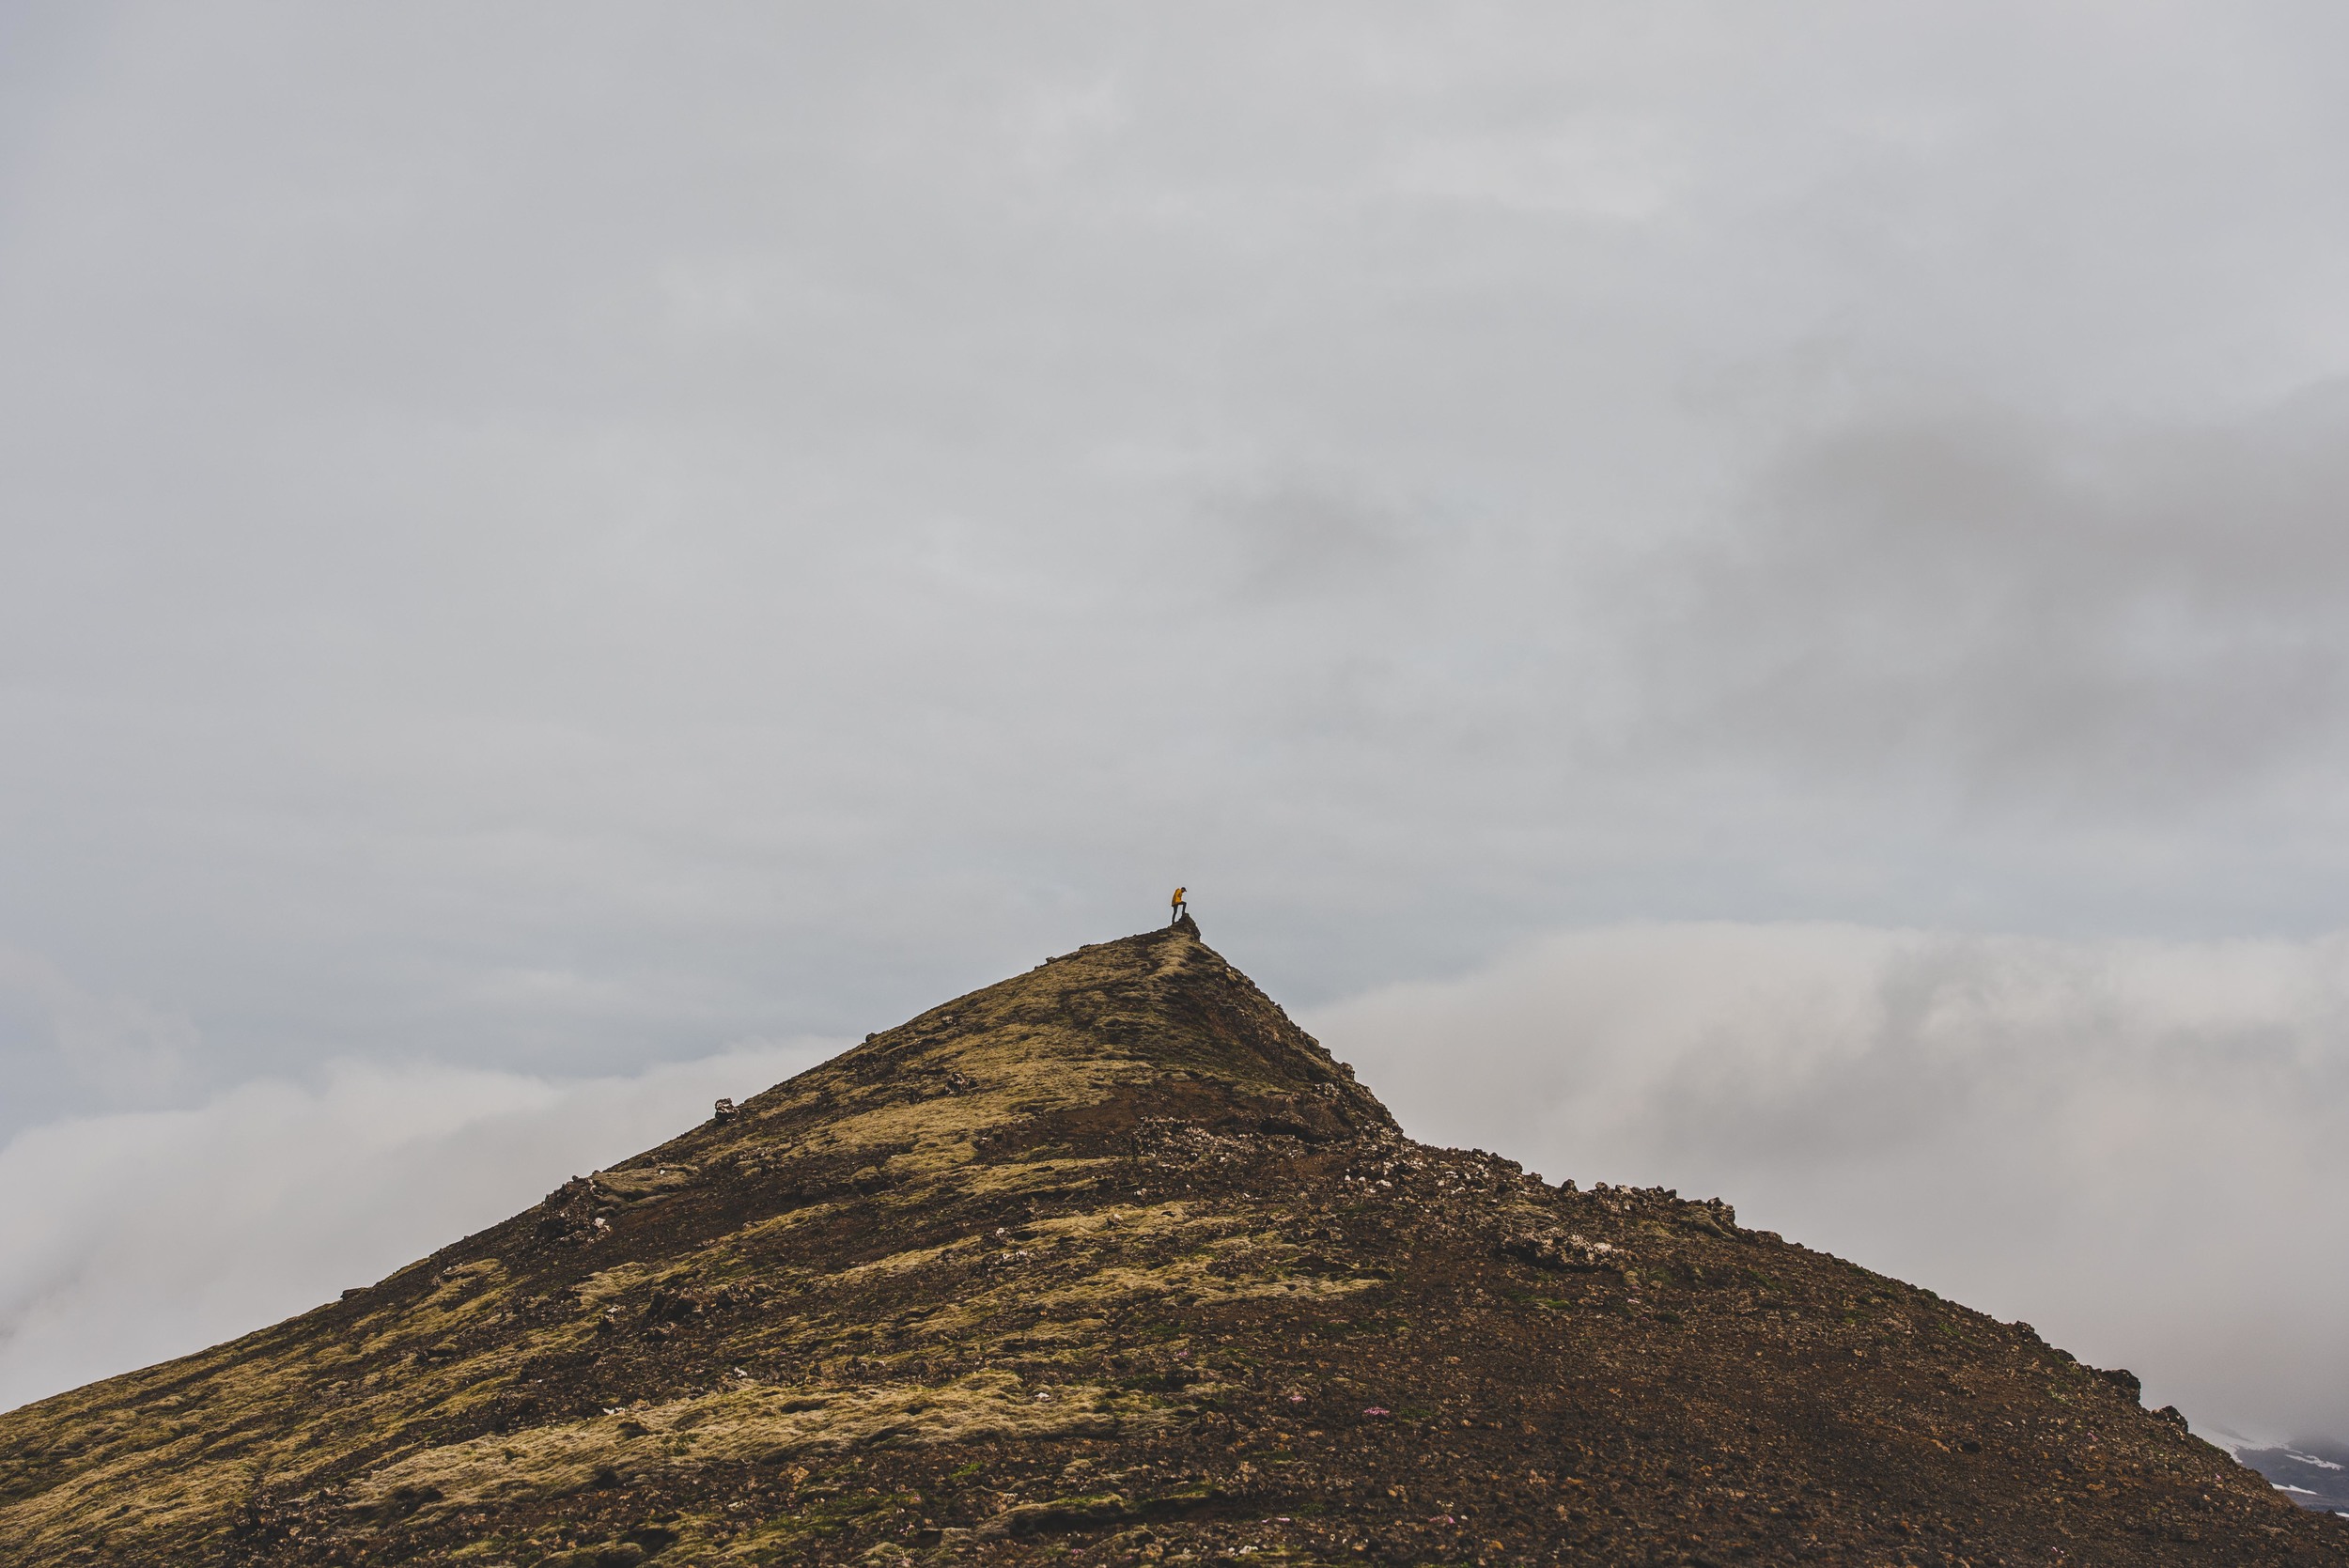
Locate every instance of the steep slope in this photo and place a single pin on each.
(1111, 1262)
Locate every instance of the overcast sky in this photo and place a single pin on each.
(551, 556)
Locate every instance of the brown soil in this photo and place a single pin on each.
(1112, 1263)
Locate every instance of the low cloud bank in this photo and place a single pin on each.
(137, 1237)
(2139, 1147)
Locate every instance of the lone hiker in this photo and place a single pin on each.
(1178, 906)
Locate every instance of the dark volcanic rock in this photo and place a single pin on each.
(1111, 1262)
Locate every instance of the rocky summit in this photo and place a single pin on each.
(1112, 1264)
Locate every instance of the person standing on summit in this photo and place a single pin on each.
(1178, 906)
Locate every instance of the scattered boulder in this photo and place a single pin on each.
(1560, 1250)
(2125, 1380)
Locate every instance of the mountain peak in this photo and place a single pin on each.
(1157, 1019)
(1110, 1262)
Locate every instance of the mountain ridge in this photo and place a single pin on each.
(1112, 1262)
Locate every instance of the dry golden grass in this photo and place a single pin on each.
(758, 1425)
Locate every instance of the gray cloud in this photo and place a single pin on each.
(63, 1044)
(2086, 619)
